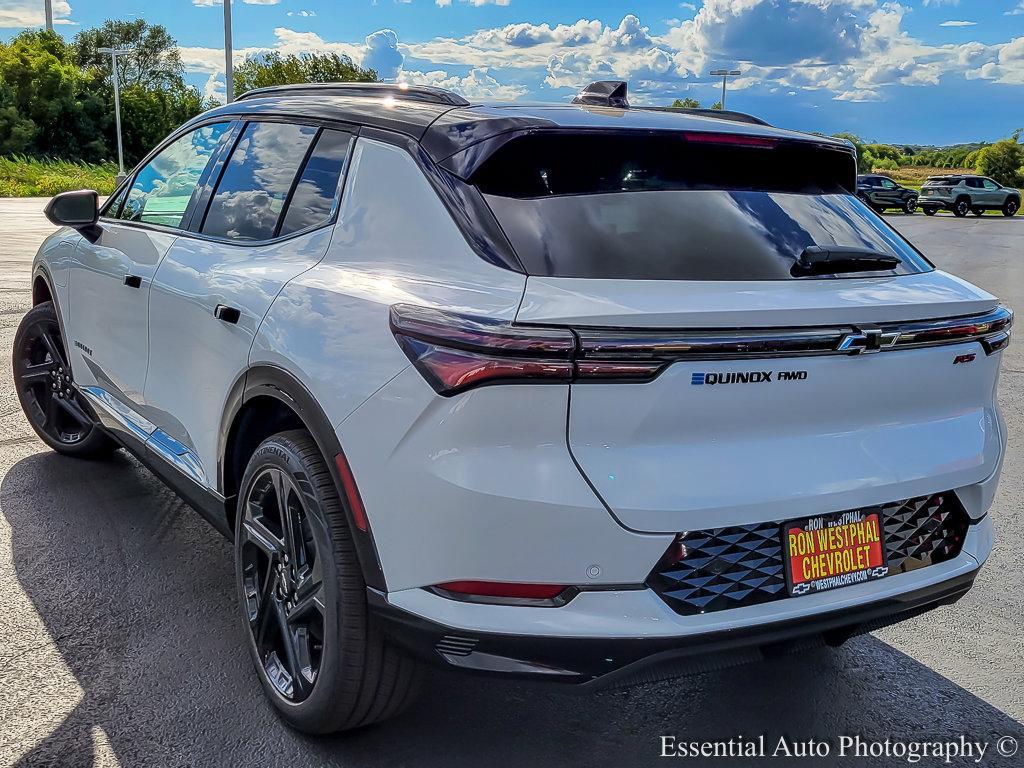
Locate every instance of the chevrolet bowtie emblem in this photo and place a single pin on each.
(867, 341)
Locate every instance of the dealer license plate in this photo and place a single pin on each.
(833, 551)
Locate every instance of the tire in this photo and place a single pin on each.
(1011, 206)
(55, 408)
(930, 210)
(979, 212)
(961, 207)
(910, 206)
(312, 584)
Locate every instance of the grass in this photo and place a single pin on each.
(32, 177)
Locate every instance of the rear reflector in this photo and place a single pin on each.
(348, 485)
(503, 589)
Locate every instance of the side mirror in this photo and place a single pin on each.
(79, 209)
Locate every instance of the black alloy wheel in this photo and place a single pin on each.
(961, 208)
(47, 391)
(910, 206)
(1011, 206)
(282, 583)
(323, 663)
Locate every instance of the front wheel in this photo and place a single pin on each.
(910, 206)
(47, 391)
(1011, 206)
(321, 661)
(961, 208)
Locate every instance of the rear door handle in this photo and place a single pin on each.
(133, 281)
(226, 313)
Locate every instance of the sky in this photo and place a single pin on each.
(914, 71)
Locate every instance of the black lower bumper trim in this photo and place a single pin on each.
(599, 662)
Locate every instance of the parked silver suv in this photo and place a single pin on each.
(964, 194)
(582, 393)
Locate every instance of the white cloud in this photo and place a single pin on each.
(958, 24)
(18, 14)
(1019, 10)
(850, 50)
(303, 14)
(477, 85)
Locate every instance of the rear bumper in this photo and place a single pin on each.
(595, 662)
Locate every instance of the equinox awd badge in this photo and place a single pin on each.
(745, 377)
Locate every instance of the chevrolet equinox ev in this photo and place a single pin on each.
(582, 393)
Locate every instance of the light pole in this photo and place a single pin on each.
(114, 53)
(48, 5)
(725, 74)
(229, 75)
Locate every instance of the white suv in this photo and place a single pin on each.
(583, 393)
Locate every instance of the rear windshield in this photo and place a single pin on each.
(942, 182)
(669, 207)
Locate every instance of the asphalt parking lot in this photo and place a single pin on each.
(120, 644)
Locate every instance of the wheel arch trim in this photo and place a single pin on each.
(277, 383)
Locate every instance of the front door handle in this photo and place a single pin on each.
(227, 314)
(133, 281)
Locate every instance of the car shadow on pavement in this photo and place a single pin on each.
(136, 593)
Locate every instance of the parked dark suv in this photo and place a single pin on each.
(881, 192)
(963, 194)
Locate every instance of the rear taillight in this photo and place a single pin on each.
(455, 352)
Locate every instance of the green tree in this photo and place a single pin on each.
(716, 105)
(686, 103)
(268, 69)
(154, 62)
(1003, 160)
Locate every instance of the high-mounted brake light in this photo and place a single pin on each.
(730, 139)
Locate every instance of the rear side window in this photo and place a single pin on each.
(678, 207)
(312, 202)
(252, 191)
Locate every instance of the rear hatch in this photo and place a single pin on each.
(729, 299)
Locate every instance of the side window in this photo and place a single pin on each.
(887, 184)
(974, 183)
(989, 184)
(162, 189)
(312, 202)
(113, 206)
(254, 186)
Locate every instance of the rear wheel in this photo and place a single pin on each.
(910, 206)
(320, 660)
(978, 211)
(961, 207)
(47, 391)
(930, 210)
(1011, 206)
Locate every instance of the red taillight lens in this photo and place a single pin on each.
(502, 589)
(730, 139)
(454, 352)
